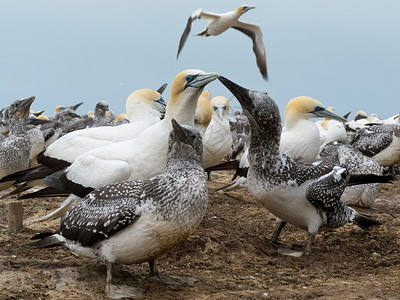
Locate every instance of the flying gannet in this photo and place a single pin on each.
(132, 222)
(305, 195)
(222, 22)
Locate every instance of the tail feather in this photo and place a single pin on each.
(47, 241)
(369, 178)
(228, 165)
(46, 192)
(364, 221)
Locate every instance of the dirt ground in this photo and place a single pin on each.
(230, 253)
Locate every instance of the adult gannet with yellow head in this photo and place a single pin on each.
(145, 155)
(300, 138)
(222, 22)
(217, 141)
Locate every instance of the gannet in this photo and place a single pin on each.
(359, 121)
(218, 23)
(203, 113)
(15, 150)
(217, 141)
(355, 162)
(305, 195)
(132, 222)
(300, 138)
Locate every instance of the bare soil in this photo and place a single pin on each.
(230, 253)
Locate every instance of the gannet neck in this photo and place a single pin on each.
(203, 114)
(185, 91)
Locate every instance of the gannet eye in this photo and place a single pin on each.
(318, 108)
(189, 78)
(192, 136)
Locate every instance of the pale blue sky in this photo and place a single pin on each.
(345, 53)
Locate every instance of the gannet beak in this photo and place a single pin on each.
(160, 105)
(75, 107)
(250, 7)
(37, 122)
(74, 115)
(220, 112)
(324, 113)
(202, 80)
(241, 93)
(180, 133)
(25, 104)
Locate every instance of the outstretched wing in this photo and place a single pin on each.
(188, 27)
(254, 32)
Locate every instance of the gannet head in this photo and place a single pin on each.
(43, 117)
(304, 108)
(185, 143)
(243, 8)
(90, 114)
(185, 91)
(220, 106)
(203, 113)
(20, 108)
(120, 117)
(260, 109)
(102, 106)
(143, 101)
(360, 115)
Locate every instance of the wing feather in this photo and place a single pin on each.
(254, 32)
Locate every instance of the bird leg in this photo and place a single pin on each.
(278, 228)
(109, 277)
(311, 237)
(153, 269)
(155, 276)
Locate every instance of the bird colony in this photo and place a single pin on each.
(134, 186)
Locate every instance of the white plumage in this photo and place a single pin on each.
(217, 139)
(143, 110)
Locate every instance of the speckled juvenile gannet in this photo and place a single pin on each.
(145, 155)
(222, 22)
(304, 195)
(15, 150)
(133, 222)
(217, 140)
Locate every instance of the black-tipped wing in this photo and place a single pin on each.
(188, 27)
(254, 32)
(103, 213)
